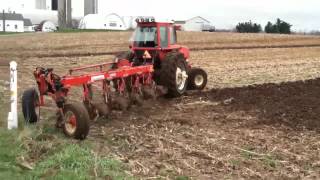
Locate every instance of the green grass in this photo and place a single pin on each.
(53, 157)
(11, 33)
(84, 30)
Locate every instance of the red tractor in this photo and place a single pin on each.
(154, 65)
(156, 43)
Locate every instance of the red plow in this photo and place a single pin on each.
(121, 85)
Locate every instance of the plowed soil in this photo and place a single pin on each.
(258, 117)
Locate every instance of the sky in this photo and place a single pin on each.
(302, 14)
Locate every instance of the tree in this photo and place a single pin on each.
(280, 26)
(248, 27)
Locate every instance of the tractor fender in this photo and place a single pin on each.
(185, 51)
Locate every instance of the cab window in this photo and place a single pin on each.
(163, 36)
(173, 36)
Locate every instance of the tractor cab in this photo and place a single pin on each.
(154, 39)
(152, 34)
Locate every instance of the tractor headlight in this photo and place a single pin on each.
(145, 19)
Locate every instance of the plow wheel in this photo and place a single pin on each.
(30, 108)
(197, 79)
(174, 74)
(76, 121)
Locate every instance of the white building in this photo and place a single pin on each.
(46, 26)
(197, 23)
(92, 21)
(28, 27)
(115, 22)
(98, 21)
(13, 22)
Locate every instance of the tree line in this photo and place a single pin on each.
(279, 27)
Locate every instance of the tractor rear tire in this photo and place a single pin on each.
(173, 74)
(30, 101)
(197, 79)
(76, 121)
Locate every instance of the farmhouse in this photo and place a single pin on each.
(28, 27)
(13, 22)
(197, 23)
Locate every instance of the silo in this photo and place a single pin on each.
(90, 7)
(64, 13)
(41, 4)
(69, 14)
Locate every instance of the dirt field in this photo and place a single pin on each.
(258, 117)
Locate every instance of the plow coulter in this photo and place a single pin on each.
(121, 86)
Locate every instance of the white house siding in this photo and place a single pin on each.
(12, 26)
(28, 28)
(195, 24)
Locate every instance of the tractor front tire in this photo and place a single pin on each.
(76, 121)
(197, 79)
(173, 74)
(30, 101)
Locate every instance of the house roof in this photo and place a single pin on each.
(27, 22)
(180, 22)
(11, 16)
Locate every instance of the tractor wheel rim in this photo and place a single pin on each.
(70, 122)
(181, 78)
(198, 80)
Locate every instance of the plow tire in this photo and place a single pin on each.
(168, 75)
(197, 79)
(30, 99)
(81, 126)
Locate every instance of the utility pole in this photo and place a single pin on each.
(3, 21)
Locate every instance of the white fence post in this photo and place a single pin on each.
(13, 115)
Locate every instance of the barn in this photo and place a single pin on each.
(13, 22)
(197, 23)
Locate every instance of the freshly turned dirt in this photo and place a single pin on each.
(295, 104)
(258, 131)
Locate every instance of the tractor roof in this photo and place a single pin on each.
(142, 20)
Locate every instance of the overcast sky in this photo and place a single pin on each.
(302, 14)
